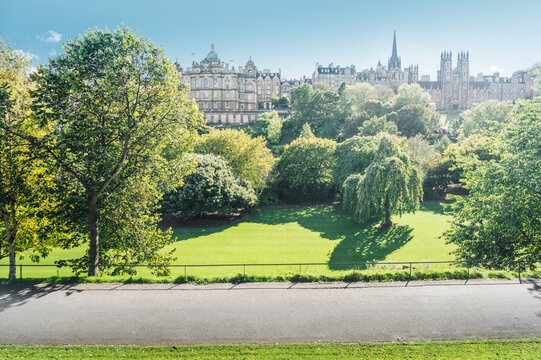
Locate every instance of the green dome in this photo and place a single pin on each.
(212, 55)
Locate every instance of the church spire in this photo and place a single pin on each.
(395, 53)
(394, 60)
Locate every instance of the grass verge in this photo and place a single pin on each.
(483, 349)
(352, 276)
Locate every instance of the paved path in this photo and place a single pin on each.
(270, 312)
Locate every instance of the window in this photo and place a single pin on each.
(226, 105)
(206, 82)
(206, 105)
(197, 94)
(206, 94)
(215, 82)
(249, 86)
(215, 94)
(215, 105)
(196, 83)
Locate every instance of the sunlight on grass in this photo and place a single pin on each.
(320, 234)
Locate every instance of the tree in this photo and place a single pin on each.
(249, 157)
(410, 95)
(415, 119)
(303, 172)
(498, 223)
(212, 187)
(317, 107)
(269, 125)
(487, 117)
(115, 102)
(391, 185)
(353, 156)
(25, 184)
(306, 131)
(375, 126)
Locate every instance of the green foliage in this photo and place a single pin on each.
(499, 220)
(269, 126)
(306, 132)
(111, 105)
(212, 187)
(27, 186)
(375, 126)
(281, 103)
(415, 119)
(350, 189)
(420, 151)
(391, 185)
(317, 107)
(486, 118)
(353, 156)
(411, 95)
(249, 157)
(303, 172)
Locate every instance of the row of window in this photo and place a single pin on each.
(226, 105)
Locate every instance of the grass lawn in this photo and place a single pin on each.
(320, 234)
(493, 349)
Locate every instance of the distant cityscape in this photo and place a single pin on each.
(236, 96)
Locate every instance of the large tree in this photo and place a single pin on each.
(499, 222)
(353, 156)
(390, 185)
(115, 102)
(487, 117)
(304, 171)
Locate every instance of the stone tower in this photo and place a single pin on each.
(446, 80)
(463, 75)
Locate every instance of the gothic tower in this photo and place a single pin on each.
(463, 72)
(446, 85)
(394, 60)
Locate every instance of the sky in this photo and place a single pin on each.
(294, 35)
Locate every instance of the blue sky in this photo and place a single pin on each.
(293, 35)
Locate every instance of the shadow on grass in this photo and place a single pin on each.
(440, 208)
(358, 243)
(189, 233)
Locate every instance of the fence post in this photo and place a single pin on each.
(468, 265)
(519, 279)
(410, 272)
(300, 269)
(185, 274)
(244, 269)
(21, 271)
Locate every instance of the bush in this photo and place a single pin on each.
(212, 187)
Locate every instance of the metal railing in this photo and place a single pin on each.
(352, 266)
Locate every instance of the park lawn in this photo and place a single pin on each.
(317, 234)
(487, 349)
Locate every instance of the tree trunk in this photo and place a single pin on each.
(10, 239)
(387, 222)
(94, 250)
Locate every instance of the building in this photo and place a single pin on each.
(233, 96)
(391, 76)
(455, 89)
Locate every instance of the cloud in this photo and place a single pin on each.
(497, 69)
(52, 53)
(29, 56)
(50, 36)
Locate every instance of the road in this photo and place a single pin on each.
(268, 312)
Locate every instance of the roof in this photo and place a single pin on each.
(212, 56)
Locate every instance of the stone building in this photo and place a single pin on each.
(231, 96)
(455, 89)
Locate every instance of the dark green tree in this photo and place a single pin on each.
(353, 156)
(212, 187)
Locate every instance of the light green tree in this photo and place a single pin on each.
(487, 117)
(249, 157)
(410, 95)
(390, 185)
(115, 102)
(499, 222)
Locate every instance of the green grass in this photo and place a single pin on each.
(319, 234)
(491, 349)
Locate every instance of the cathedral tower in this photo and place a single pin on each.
(463, 75)
(445, 74)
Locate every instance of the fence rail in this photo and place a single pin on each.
(355, 266)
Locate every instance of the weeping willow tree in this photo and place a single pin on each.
(390, 185)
